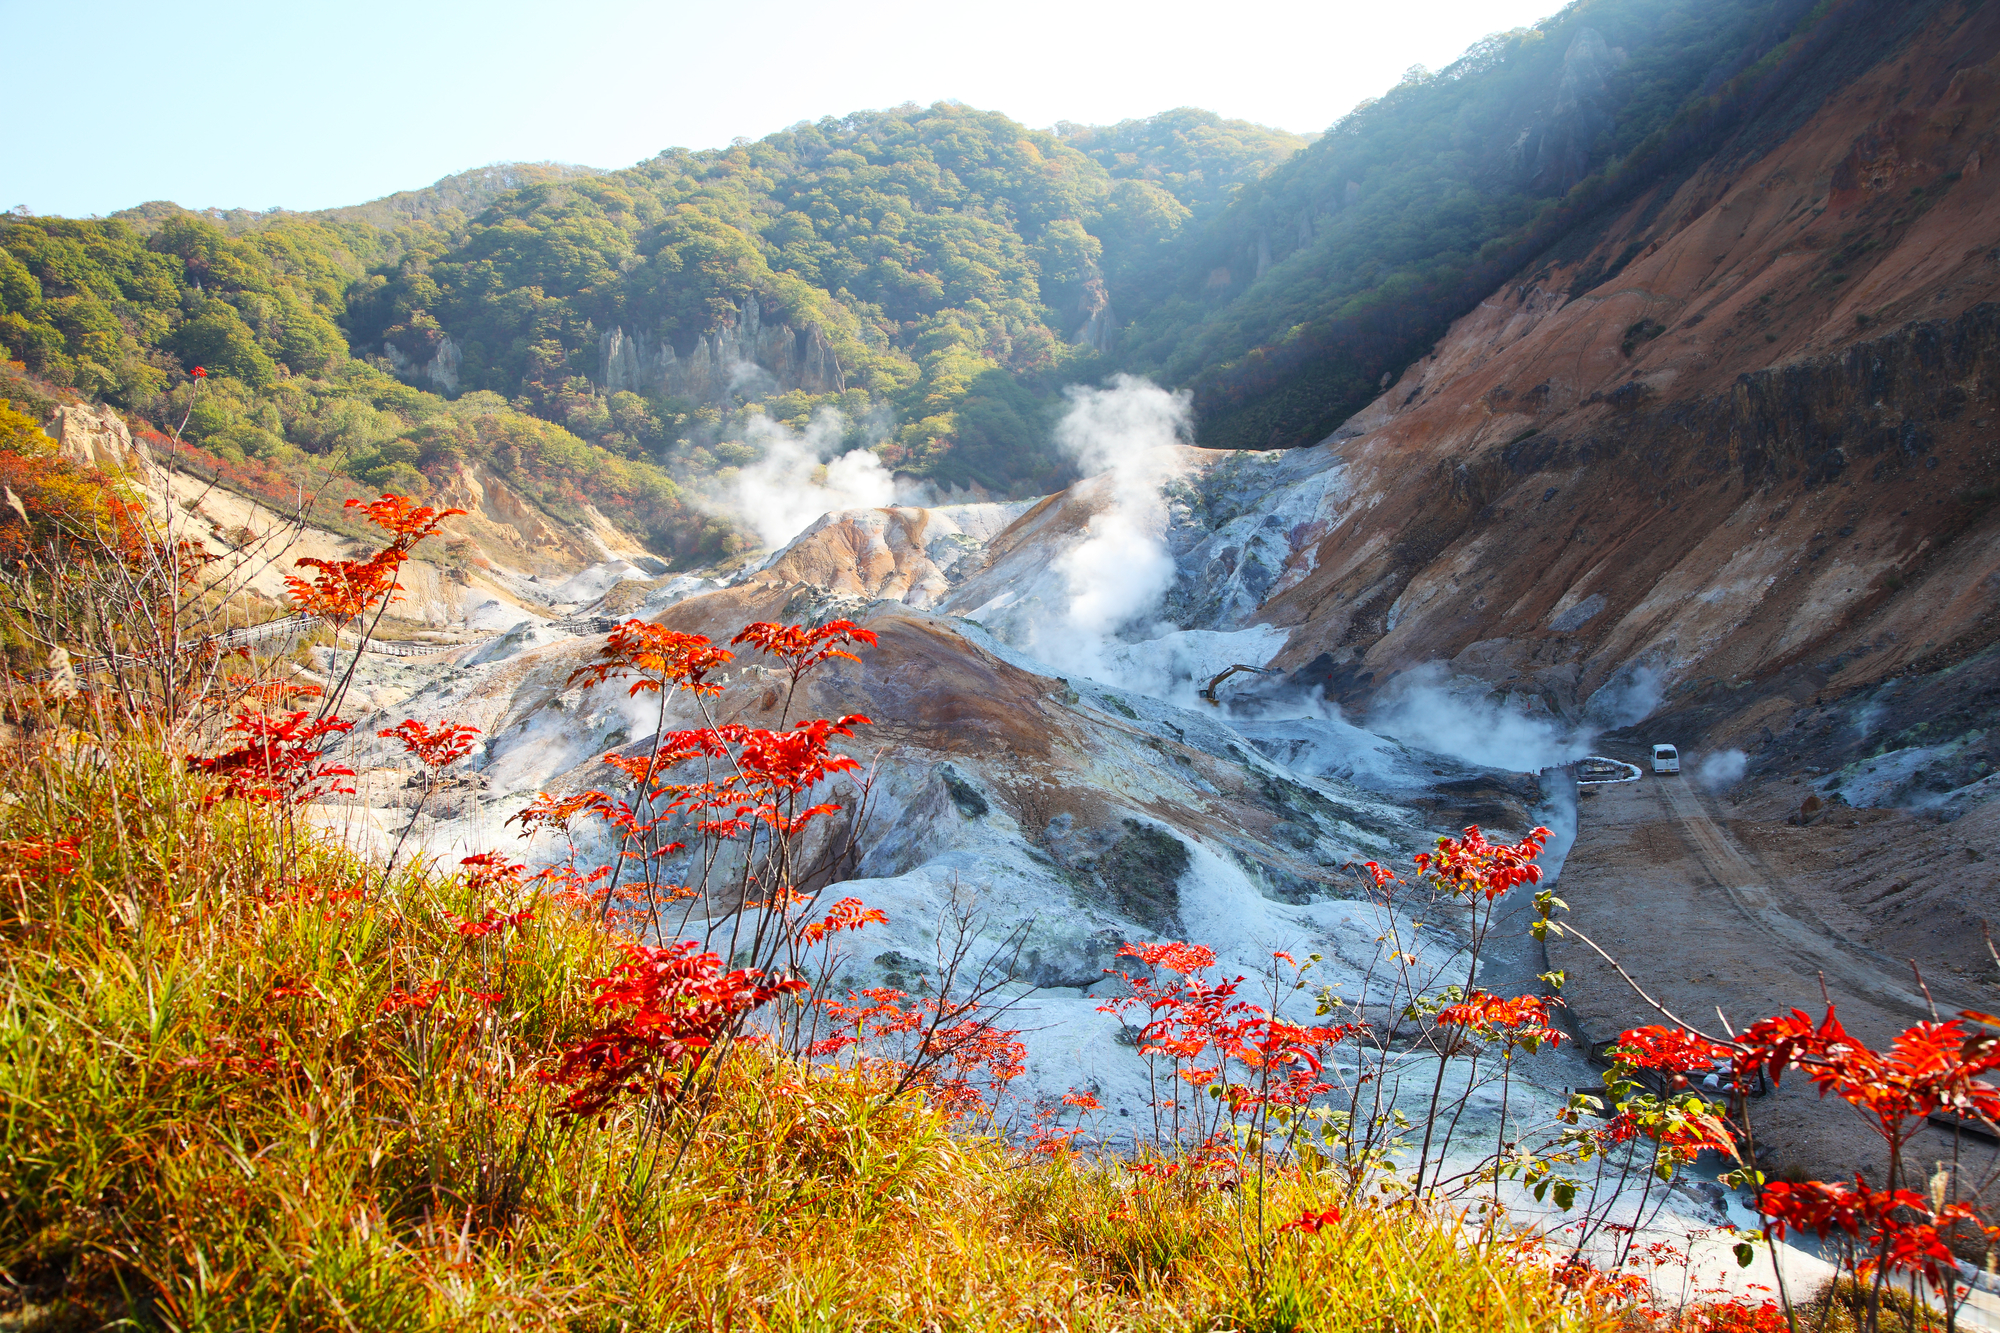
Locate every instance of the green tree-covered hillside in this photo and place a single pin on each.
(120, 312)
(950, 258)
(935, 274)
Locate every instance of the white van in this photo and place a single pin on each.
(1666, 759)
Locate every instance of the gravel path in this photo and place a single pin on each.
(1700, 918)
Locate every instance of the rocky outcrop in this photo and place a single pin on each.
(508, 526)
(1093, 308)
(1876, 407)
(440, 372)
(745, 356)
(96, 436)
(1554, 149)
(908, 555)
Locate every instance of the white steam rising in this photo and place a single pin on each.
(1423, 709)
(1721, 768)
(1628, 699)
(1123, 438)
(802, 476)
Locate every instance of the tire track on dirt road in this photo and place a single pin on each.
(1813, 946)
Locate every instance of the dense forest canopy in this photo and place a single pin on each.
(948, 257)
(933, 274)
(120, 315)
(1353, 256)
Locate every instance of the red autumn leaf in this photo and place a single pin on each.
(1524, 1019)
(802, 649)
(1670, 1049)
(661, 658)
(847, 914)
(420, 998)
(278, 759)
(439, 748)
(671, 1005)
(1471, 866)
(1310, 1222)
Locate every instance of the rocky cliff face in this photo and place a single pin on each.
(1098, 323)
(96, 436)
(1554, 149)
(1743, 428)
(439, 373)
(744, 355)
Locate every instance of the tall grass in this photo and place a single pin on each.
(226, 1103)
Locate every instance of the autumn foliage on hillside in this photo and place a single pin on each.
(46, 494)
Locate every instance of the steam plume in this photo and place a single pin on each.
(1628, 699)
(1121, 436)
(1721, 768)
(1422, 709)
(802, 476)
(1425, 709)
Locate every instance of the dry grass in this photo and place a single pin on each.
(207, 1121)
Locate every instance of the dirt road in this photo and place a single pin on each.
(1706, 925)
(1789, 923)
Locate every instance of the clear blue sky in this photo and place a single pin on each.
(304, 104)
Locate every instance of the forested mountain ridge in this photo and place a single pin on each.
(463, 194)
(953, 261)
(1349, 260)
(321, 330)
(935, 275)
